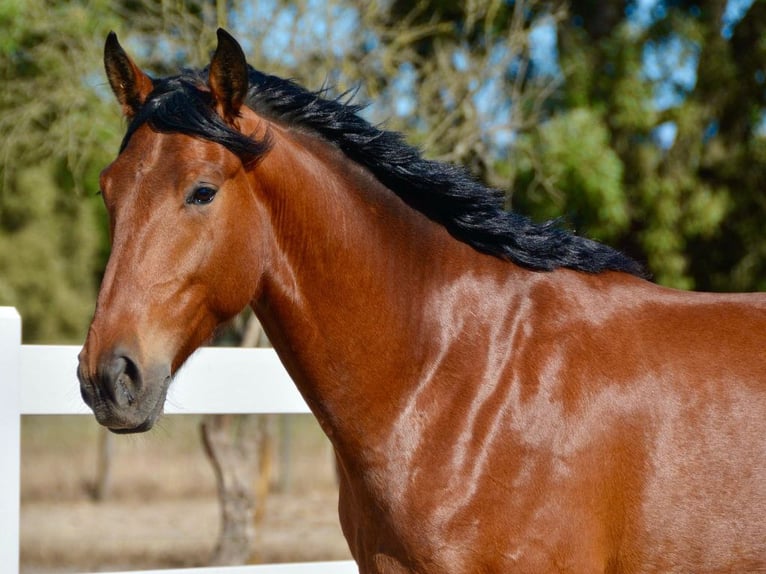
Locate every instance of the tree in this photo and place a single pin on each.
(53, 140)
(688, 204)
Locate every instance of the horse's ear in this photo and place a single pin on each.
(129, 83)
(228, 76)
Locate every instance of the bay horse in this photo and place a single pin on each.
(502, 395)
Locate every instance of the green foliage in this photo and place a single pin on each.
(567, 166)
(54, 137)
(690, 210)
(48, 250)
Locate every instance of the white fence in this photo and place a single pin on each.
(40, 379)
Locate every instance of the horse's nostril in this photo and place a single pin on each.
(132, 372)
(122, 380)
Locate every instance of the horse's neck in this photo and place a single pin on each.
(347, 288)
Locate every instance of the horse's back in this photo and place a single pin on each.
(688, 372)
(704, 497)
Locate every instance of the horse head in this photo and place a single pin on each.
(185, 251)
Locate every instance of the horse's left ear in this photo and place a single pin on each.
(228, 75)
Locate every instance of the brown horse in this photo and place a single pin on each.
(502, 395)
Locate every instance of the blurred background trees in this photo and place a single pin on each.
(54, 135)
(639, 121)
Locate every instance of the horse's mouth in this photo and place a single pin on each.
(122, 421)
(138, 415)
(143, 427)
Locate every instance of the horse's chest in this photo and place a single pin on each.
(437, 532)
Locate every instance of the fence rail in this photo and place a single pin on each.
(40, 379)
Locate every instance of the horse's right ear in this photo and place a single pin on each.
(128, 82)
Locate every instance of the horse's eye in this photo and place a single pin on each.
(202, 195)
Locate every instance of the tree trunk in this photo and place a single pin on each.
(103, 482)
(231, 443)
(239, 449)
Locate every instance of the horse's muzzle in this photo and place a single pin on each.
(124, 397)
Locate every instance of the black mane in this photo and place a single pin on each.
(445, 193)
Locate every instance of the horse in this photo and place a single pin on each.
(502, 395)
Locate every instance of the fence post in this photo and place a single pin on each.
(10, 435)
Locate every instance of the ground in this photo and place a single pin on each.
(162, 510)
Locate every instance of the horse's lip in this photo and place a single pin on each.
(143, 427)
